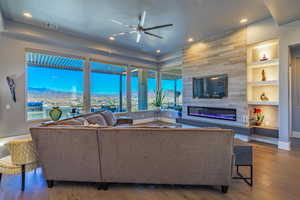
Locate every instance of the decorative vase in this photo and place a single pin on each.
(263, 97)
(258, 123)
(157, 108)
(55, 113)
(264, 58)
(156, 113)
(263, 75)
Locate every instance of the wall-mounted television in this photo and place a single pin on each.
(214, 87)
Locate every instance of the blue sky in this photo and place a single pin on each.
(68, 80)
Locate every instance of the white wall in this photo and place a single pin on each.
(1, 21)
(262, 31)
(289, 36)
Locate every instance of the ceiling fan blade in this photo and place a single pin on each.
(123, 33)
(138, 37)
(142, 22)
(122, 24)
(157, 27)
(153, 35)
(116, 22)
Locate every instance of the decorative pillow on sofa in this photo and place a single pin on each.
(70, 122)
(81, 119)
(97, 119)
(110, 118)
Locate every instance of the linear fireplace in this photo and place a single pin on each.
(211, 112)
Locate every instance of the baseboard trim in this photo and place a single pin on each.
(264, 139)
(296, 134)
(284, 145)
(258, 138)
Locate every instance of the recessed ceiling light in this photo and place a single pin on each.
(27, 14)
(190, 40)
(157, 51)
(243, 21)
(111, 38)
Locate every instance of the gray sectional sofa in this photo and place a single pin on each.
(189, 156)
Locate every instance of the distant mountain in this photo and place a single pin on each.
(31, 89)
(47, 91)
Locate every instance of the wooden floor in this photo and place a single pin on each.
(276, 177)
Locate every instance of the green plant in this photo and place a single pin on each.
(159, 98)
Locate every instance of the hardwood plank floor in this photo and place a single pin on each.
(276, 177)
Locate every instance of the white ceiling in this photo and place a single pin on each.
(284, 11)
(92, 18)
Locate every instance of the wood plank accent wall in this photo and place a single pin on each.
(224, 54)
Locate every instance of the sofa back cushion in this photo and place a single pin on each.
(68, 153)
(110, 118)
(97, 119)
(70, 122)
(166, 155)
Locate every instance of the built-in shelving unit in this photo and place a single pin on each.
(268, 63)
(263, 82)
(263, 103)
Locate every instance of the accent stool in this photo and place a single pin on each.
(244, 157)
(22, 158)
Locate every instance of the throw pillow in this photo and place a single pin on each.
(81, 119)
(110, 118)
(97, 119)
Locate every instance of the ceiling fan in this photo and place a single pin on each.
(139, 29)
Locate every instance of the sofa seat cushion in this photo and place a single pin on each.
(97, 119)
(110, 118)
(70, 122)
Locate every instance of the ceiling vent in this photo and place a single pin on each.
(50, 26)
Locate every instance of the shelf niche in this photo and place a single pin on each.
(256, 86)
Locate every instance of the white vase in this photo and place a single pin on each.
(157, 108)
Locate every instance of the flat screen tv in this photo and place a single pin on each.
(214, 87)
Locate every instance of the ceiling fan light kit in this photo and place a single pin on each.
(139, 29)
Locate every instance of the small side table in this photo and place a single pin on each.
(124, 120)
(244, 157)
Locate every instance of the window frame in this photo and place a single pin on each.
(51, 53)
(121, 95)
(175, 88)
(87, 81)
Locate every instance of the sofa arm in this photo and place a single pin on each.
(124, 121)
